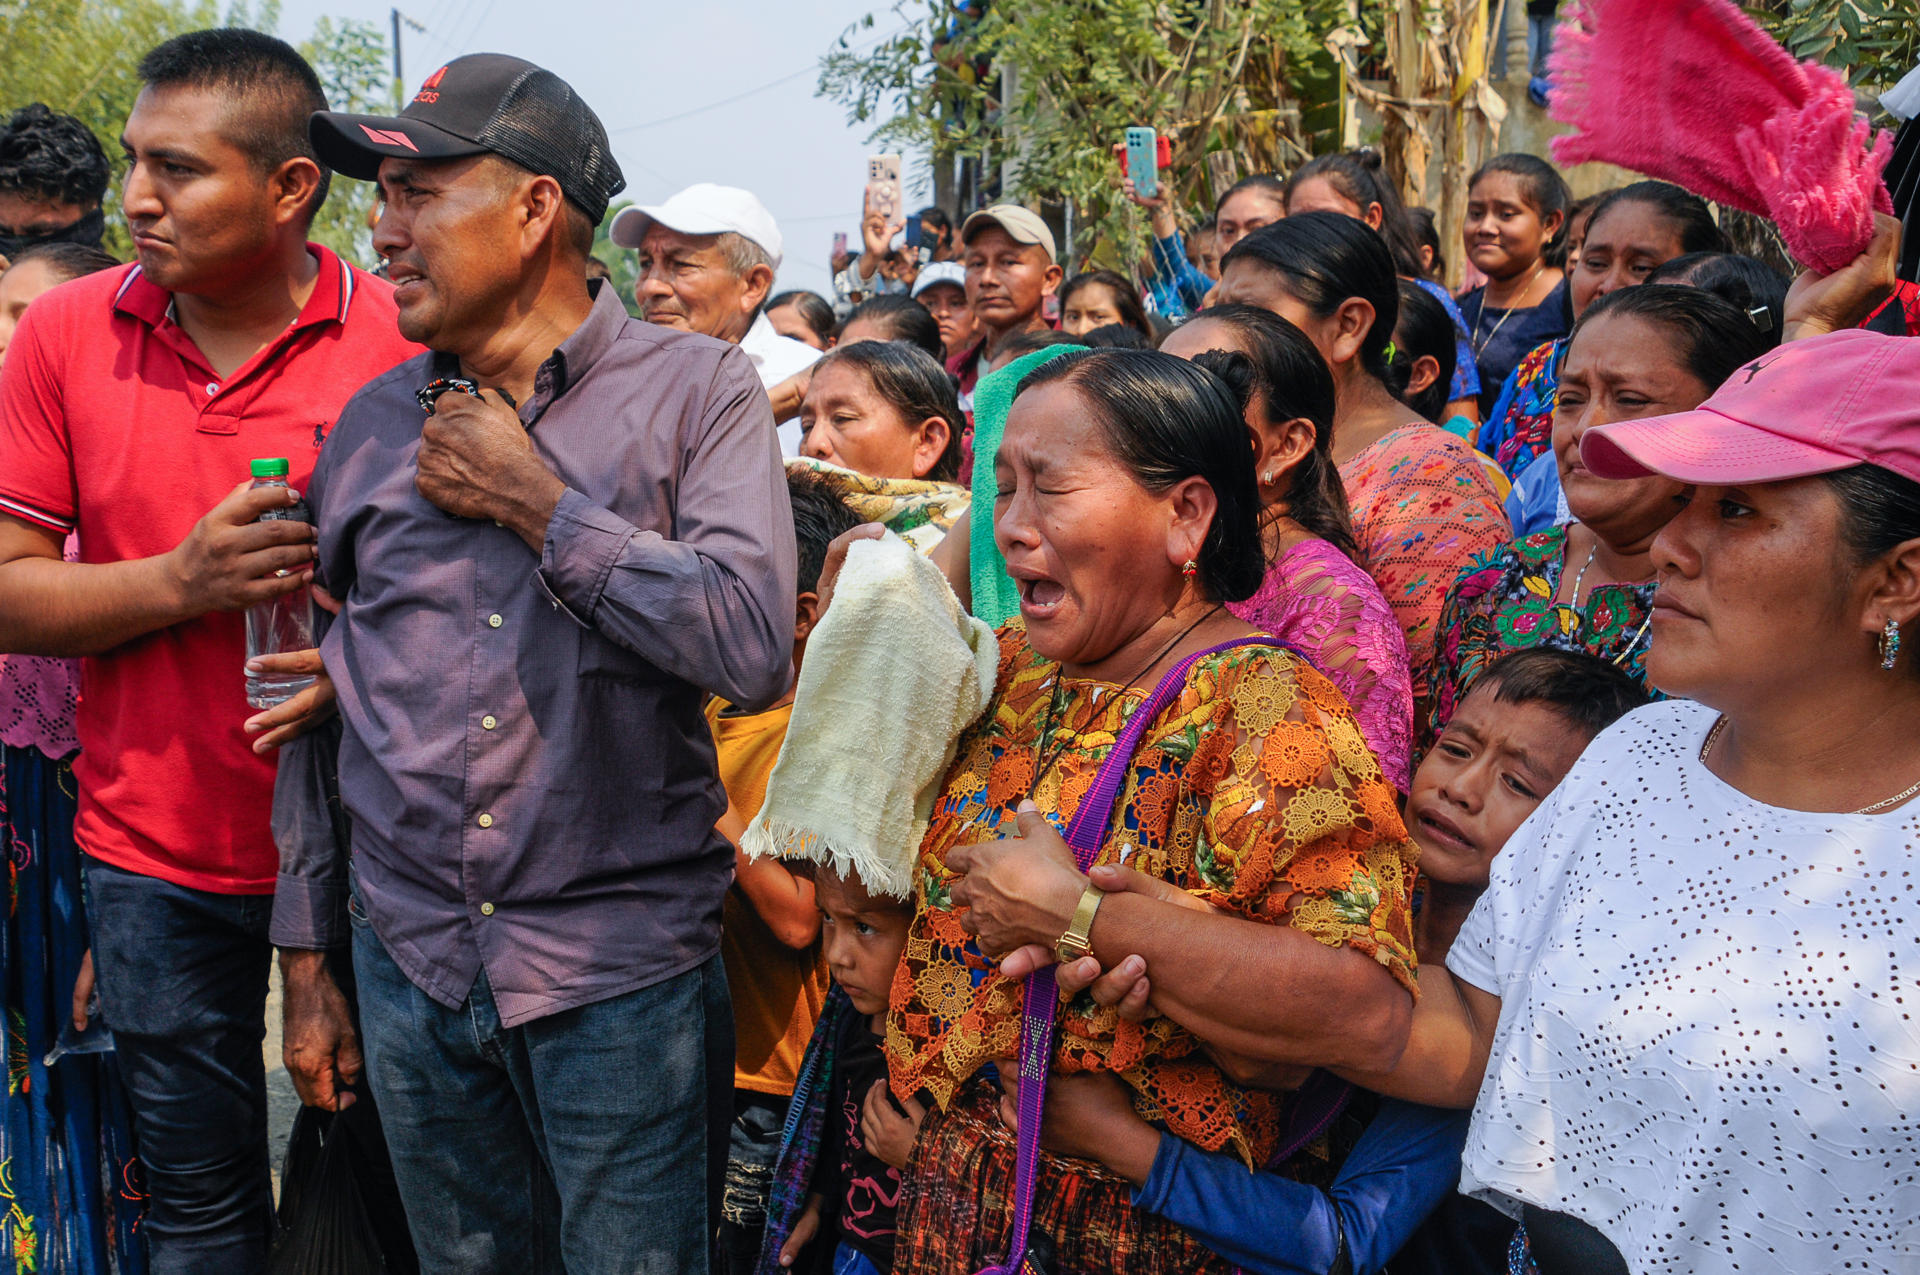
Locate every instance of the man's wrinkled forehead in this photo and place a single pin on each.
(664, 241)
(991, 238)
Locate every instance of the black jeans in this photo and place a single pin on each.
(752, 1148)
(182, 976)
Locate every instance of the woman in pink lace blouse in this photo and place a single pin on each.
(66, 1134)
(1315, 597)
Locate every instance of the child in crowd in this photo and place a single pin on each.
(854, 1140)
(1420, 361)
(1514, 738)
(837, 1180)
(1099, 298)
(770, 928)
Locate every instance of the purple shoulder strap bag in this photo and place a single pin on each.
(1085, 834)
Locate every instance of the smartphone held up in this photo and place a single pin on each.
(884, 193)
(1143, 153)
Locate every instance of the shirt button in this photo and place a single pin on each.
(494, 621)
(485, 821)
(488, 722)
(486, 909)
(213, 387)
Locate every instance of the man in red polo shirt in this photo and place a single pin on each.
(130, 406)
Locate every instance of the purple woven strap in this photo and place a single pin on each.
(1088, 829)
(1085, 833)
(1036, 1055)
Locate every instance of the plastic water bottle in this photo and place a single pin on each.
(280, 624)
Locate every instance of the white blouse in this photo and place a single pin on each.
(1709, 1035)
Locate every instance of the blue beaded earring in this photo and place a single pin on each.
(1889, 644)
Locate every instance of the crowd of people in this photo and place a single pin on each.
(1268, 763)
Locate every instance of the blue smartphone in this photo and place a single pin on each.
(917, 241)
(1143, 161)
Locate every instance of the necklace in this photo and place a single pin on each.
(1713, 737)
(1059, 745)
(1574, 602)
(1538, 265)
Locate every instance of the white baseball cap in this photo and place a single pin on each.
(703, 209)
(940, 272)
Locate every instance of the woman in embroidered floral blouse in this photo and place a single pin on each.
(1253, 791)
(1588, 585)
(66, 1132)
(1315, 597)
(1422, 504)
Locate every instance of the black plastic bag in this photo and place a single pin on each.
(324, 1225)
(1903, 183)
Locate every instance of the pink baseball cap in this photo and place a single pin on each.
(1810, 407)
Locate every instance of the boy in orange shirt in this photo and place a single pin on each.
(770, 929)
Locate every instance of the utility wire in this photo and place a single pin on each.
(714, 106)
(809, 69)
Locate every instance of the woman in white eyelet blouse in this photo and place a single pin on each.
(1695, 978)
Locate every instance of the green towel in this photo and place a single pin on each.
(995, 600)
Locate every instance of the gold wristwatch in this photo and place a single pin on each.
(1074, 944)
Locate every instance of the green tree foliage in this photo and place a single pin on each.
(352, 61)
(623, 264)
(1048, 86)
(78, 56)
(1874, 41)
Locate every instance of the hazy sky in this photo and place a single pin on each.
(651, 61)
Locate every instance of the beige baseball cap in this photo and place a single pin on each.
(1023, 225)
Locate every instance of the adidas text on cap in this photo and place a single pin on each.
(483, 104)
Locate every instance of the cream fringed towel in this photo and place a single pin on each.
(892, 675)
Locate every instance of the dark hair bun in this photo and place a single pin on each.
(1233, 370)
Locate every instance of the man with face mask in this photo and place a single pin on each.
(53, 175)
(553, 536)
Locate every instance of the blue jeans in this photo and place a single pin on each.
(182, 976)
(848, 1260)
(1539, 42)
(582, 1142)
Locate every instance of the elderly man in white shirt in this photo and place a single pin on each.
(708, 257)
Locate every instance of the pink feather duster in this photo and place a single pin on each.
(1693, 92)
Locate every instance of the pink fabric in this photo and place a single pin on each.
(1694, 92)
(38, 697)
(1315, 598)
(1830, 402)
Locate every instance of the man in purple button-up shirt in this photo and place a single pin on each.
(535, 601)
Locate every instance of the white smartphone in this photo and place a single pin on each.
(884, 193)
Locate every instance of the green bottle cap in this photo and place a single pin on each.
(270, 467)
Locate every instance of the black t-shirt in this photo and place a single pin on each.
(1501, 338)
(867, 1194)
